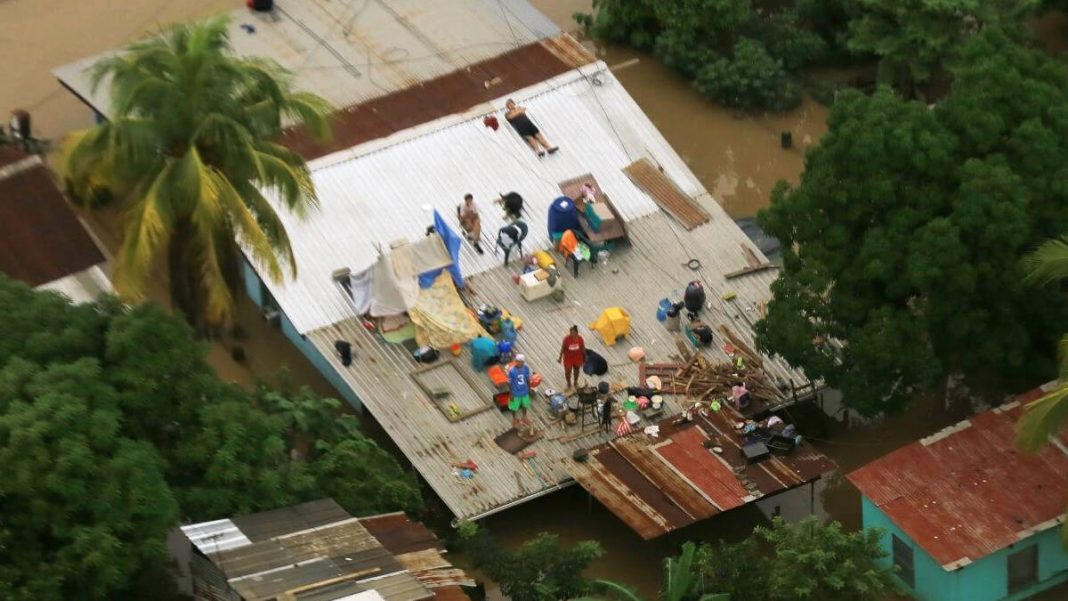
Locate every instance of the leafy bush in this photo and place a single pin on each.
(683, 51)
(629, 21)
(751, 79)
(785, 39)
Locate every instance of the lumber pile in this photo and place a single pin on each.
(701, 379)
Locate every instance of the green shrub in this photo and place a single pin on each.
(751, 79)
(683, 51)
(629, 21)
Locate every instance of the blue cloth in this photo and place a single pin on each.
(483, 352)
(452, 244)
(563, 216)
(519, 380)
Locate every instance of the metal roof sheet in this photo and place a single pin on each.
(382, 190)
(638, 275)
(350, 52)
(41, 239)
(968, 491)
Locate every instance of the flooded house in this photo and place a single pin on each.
(419, 326)
(967, 516)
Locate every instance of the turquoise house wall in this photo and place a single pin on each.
(983, 580)
(255, 289)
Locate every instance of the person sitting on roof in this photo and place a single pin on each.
(519, 120)
(740, 395)
(470, 222)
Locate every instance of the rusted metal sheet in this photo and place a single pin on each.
(433, 99)
(659, 485)
(399, 534)
(966, 491)
(666, 194)
(40, 238)
(703, 469)
(646, 490)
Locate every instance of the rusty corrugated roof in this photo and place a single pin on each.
(441, 96)
(967, 491)
(399, 534)
(40, 238)
(657, 486)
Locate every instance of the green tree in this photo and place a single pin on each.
(750, 79)
(902, 242)
(539, 570)
(914, 38)
(681, 581)
(1046, 416)
(185, 156)
(83, 508)
(112, 426)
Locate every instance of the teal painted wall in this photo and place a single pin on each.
(983, 580)
(255, 289)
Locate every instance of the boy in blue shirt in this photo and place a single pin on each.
(519, 385)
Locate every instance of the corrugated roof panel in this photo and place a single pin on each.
(352, 52)
(968, 491)
(369, 196)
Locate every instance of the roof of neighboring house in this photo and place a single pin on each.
(968, 491)
(317, 552)
(663, 484)
(383, 190)
(41, 240)
(350, 52)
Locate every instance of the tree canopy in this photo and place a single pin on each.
(796, 562)
(902, 243)
(189, 145)
(541, 569)
(113, 427)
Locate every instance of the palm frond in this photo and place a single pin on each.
(1048, 263)
(311, 112)
(618, 590)
(268, 220)
(1062, 354)
(1042, 419)
(248, 229)
(292, 181)
(147, 232)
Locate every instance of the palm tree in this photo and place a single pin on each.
(185, 157)
(1045, 416)
(679, 581)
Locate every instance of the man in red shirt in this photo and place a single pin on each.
(572, 355)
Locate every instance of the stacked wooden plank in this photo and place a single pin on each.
(704, 380)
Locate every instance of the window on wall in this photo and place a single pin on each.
(1023, 569)
(903, 561)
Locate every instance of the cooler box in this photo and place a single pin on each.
(535, 285)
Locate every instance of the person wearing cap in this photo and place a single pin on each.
(519, 385)
(572, 356)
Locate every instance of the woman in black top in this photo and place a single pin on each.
(521, 123)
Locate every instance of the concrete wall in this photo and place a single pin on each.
(983, 580)
(256, 291)
(796, 504)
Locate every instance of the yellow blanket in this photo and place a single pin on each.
(440, 317)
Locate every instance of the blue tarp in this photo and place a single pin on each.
(452, 243)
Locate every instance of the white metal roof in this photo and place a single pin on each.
(382, 190)
(352, 51)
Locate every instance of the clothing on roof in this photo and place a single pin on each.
(452, 243)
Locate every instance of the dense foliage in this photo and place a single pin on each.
(187, 149)
(804, 561)
(113, 427)
(539, 570)
(902, 243)
(681, 581)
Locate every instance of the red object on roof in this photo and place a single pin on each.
(41, 240)
(967, 491)
(687, 454)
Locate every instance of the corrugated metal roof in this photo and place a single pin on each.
(317, 552)
(381, 191)
(659, 485)
(350, 52)
(968, 491)
(443, 96)
(638, 275)
(41, 240)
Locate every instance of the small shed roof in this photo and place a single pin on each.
(350, 52)
(967, 491)
(317, 552)
(660, 485)
(41, 240)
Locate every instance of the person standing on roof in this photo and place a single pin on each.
(519, 386)
(572, 356)
(519, 120)
(470, 222)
